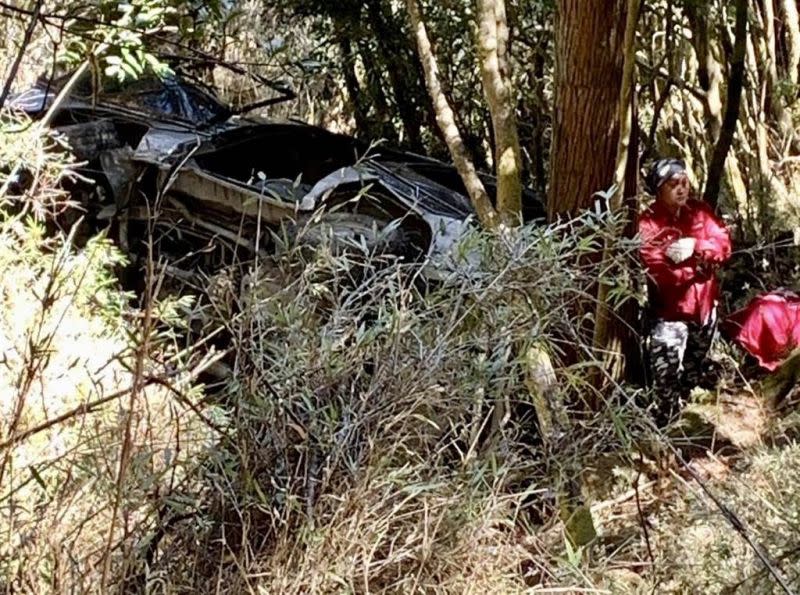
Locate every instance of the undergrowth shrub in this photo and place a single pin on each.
(385, 438)
(95, 422)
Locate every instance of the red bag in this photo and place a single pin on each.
(768, 327)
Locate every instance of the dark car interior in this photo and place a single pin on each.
(278, 152)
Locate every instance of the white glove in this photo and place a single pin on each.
(681, 250)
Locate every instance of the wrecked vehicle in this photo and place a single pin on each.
(175, 142)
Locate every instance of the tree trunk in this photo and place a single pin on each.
(709, 72)
(766, 189)
(399, 63)
(352, 86)
(609, 330)
(770, 64)
(375, 87)
(537, 121)
(791, 22)
(493, 47)
(447, 124)
(588, 70)
(732, 103)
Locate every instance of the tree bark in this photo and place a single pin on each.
(732, 104)
(766, 189)
(399, 63)
(352, 86)
(709, 72)
(791, 23)
(496, 76)
(537, 121)
(588, 70)
(374, 77)
(770, 63)
(445, 119)
(609, 330)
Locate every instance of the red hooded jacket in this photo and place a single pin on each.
(768, 327)
(685, 291)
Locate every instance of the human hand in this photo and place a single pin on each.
(681, 250)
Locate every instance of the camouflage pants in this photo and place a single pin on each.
(677, 353)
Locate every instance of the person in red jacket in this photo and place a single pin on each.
(683, 244)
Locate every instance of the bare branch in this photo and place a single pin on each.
(732, 104)
(24, 46)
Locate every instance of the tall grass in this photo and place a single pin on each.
(70, 339)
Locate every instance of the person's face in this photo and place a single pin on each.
(674, 192)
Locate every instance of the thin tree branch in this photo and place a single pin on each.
(83, 408)
(25, 42)
(732, 106)
(445, 118)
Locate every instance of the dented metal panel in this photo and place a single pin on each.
(142, 136)
(159, 145)
(87, 141)
(203, 186)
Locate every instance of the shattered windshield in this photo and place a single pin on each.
(169, 97)
(173, 98)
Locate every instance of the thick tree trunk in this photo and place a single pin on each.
(609, 330)
(493, 43)
(588, 70)
(733, 101)
(447, 123)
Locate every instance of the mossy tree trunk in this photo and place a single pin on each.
(493, 39)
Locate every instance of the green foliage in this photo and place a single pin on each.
(125, 39)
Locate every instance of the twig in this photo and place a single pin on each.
(783, 556)
(622, 498)
(25, 41)
(681, 84)
(47, 18)
(733, 520)
(151, 290)
(90, 406)
(642, 520)
(188, 402)
(659, 105)
(87, 407)
(62, 95)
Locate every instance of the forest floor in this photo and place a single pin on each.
(745, 454)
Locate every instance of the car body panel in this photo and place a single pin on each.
(278, 171)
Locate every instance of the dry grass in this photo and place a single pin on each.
(69, 338)
(385, 440)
